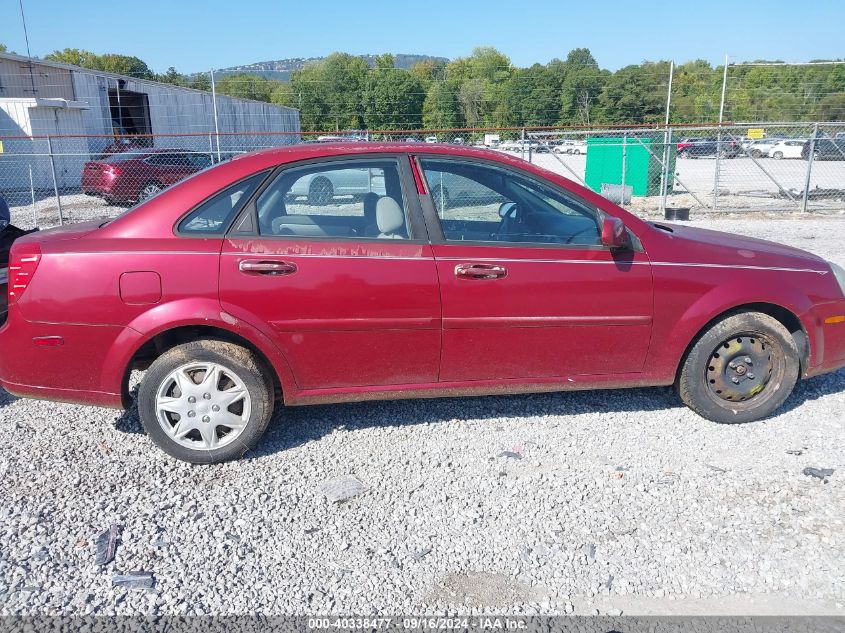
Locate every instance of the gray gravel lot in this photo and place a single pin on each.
(608, 500)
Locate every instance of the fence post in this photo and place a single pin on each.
(32, 193)
(216, 124)
(810, 157)
(664, 174)
(55, 181)
(664, 171)
(718, 167)
(719, 134)
(624, 165)
(522, 142)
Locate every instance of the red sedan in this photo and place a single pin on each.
(233, 290)
(136, 174)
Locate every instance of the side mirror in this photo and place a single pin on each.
(614, 235)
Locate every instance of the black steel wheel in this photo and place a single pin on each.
(740, 370)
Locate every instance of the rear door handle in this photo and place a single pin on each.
(266, 267)
(480, 271)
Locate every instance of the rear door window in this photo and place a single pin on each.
(360, 198)
(215, 214)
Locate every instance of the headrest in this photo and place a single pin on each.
(389, 216)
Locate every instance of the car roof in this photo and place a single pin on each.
(293, 153)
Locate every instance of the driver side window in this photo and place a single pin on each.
(481, 203)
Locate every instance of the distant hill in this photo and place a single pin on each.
(281, 69)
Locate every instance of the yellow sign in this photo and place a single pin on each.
(756, 132)
(1, 147)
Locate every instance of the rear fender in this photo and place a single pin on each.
(181, 313)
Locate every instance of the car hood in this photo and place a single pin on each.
(705, 246)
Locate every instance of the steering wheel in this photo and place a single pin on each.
(508, 220)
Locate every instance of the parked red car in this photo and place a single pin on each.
(232, 291)
(136, 174)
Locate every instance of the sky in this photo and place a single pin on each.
(195, 36)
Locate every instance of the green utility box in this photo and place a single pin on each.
(642, 163)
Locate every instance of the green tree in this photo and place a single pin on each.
(110, 62)
(200, 82)
(330, 92)
(636, 93)
(581, 87)
(246, 86)
(283, 95)
(393, 98)
(75, 57)
(482, 77)
(530, 96)
(441, 108)
(429, 71)
(2, 47)
(696, 92)
(173, 77)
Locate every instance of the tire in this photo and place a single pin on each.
(756, 153)
(577, 152)
(149, 190)
(440, 194)
(777, 155)
(706, 381)
(320, 191)
(239, 373)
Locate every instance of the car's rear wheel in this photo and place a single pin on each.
(206, 401)
(777, 155)
(740, 370)
(756, 153)
(149, 190)
(320, 192)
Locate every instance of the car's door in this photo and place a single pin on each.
(528, 290)
(347, 289)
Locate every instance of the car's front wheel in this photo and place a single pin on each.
(740, 370)
(206, 401)
(777, 155)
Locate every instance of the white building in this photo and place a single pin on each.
(77, 112)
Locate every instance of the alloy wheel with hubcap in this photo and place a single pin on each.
(206, 401)
(149, 190)
(203, 405)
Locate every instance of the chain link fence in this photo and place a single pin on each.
(765, 167)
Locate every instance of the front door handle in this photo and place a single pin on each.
(266, 267)
(480, 271)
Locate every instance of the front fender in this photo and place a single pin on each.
(186, 312)
(683, 327)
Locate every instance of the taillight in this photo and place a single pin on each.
(113, 170)
(23, 260)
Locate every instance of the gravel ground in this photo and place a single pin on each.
(556, 503)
